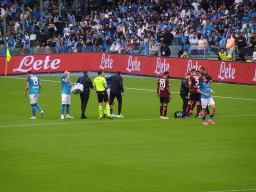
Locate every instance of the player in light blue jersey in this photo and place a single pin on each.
(65, 94)
(206, 100)
(34, 86)
(108, 92)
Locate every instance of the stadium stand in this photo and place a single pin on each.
(93, 25)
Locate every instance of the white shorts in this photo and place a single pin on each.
(65, 99)
(33, 98)
(108, 92)
(207, 102)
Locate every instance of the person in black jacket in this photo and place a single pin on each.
(184, 90)
(165, 50)
(116, 89)
(86, 81)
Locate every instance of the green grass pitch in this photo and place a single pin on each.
(139, 152)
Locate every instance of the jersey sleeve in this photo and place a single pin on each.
(63, 79)
(28, 81)
(167, 83)
(200, 86)
(191, 78)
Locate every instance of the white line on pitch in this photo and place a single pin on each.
(234, 190)
(152, 90)
(112, 121)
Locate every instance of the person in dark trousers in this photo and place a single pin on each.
(84, 96)
(116, 89)
(184, 90)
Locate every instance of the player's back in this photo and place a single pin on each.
(65, 86)
(205, 87)
(163, 84)
(33, 81)
(195, 80)
(99, 83)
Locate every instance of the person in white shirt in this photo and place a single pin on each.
(153, 49)
(254, 55)
(115, 47)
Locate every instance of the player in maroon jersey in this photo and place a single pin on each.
(194, 81)
(163, 91)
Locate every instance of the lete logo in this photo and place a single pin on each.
(133, 65)
(161, 67)
(226, 72)
(37, 65)
(106, 62)
(190, 66)
(254, 79)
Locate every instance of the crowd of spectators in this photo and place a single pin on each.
(120, 25)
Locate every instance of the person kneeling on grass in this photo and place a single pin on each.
(206, 100)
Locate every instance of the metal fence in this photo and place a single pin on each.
(209, 52)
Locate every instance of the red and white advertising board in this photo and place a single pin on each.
(235, 72)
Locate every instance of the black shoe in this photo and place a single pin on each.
(83, 117)
(197, 116)
(110, 117)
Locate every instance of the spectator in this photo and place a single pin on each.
(115, 47)
(240, 41)
(201, 45)
(11, 42)
(193, 44)
(43, 38)
(18, 44)
(254, 55)
(222, 54)
(184, 55)
(165, 50)
(230, 46)
(97, 42)
(153, 49)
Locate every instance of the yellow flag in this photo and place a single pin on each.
(8, 58)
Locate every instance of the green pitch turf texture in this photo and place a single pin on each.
(139, 152)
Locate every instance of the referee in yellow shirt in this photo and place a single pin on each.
(100, 85)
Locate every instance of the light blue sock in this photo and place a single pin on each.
(33, 110)
(38, 107)
(67, 109)
(62, 109)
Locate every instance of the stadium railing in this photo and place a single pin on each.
(209, 52)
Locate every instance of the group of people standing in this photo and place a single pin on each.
(107, 90)
(198, 85)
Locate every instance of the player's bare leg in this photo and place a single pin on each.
(211, 115)
(161, 110)
(203, 117)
